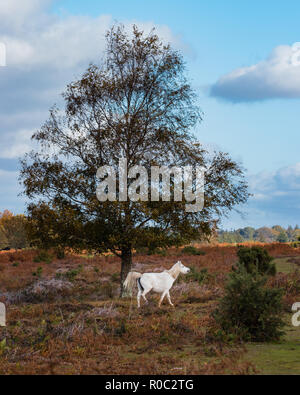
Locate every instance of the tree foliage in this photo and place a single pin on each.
(13, 232)
(136, 104)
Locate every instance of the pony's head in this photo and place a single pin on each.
(183, 269)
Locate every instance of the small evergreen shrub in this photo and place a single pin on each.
(43, 256)
(38, 273)
(190, 250)
(249, 309)
(198, 276)
(295, 244)
(60, 253)
(255, 260)
(141, 250)
(162, 252)
(71, 274)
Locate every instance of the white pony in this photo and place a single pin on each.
(157, 282)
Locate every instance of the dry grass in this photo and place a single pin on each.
(68, 319)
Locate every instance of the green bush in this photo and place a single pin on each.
(162, 252)
(71, 274)
(38, 273)
(255, 260)
(43, 256)
(141, 250)
(195, 275)
(60, 253)
(153, 251)
(190, 250)
(249, 309)
(295, 244)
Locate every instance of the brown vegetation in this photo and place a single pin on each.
(65, 316)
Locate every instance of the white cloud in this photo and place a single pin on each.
(58, 42)
(285, 182)
(276, 77)
(44, 53)
(15, 145)
(277, 195)
(275, 200)
(17, 15)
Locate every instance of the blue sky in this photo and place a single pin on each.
(240, 57)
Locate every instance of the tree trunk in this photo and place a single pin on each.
(126, 257)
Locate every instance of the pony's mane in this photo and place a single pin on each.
(174, 271)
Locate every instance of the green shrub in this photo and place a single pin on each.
(70, 274)
(162, 252)
(141, 250)
(153, 251)
(16, 264)
(43, 256)
(295, 244)
(255, 260)
(190, 250)
(38, 272)
(60, 253)
(195, 275)
(249, 309)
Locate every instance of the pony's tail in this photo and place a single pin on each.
(130, 281)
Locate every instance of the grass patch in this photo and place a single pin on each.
(277, 358)
(284, 266)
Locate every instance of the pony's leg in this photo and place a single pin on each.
(144, 293)
(138, 299)
(144, 297)
(162, 298)
(169, 299)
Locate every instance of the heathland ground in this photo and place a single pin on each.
(64, 316)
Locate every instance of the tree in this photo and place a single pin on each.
(247, 233)
(290, 233)
(3, 239)
(264, 235)
(282, 237)
(13, 230)
(136, 104)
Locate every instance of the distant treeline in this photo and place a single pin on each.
(264, 235)
(14, 233)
